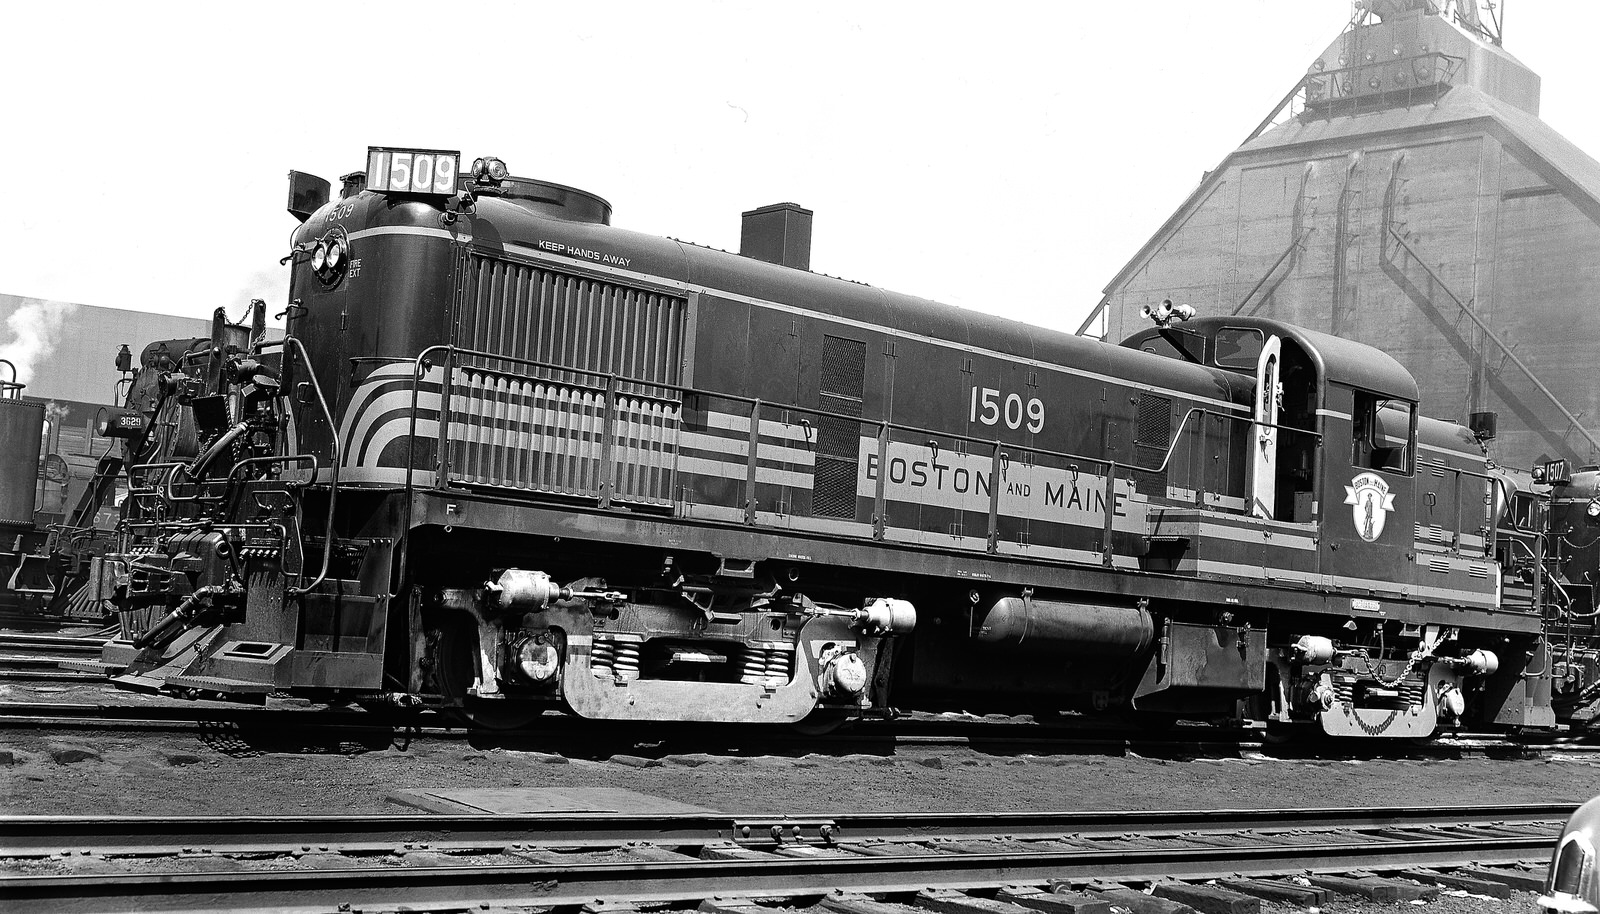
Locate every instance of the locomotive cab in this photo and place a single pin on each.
(1396, 534)
(1333, 424)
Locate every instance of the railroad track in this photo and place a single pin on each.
(949, 863)
(25, 620)
(37, 657)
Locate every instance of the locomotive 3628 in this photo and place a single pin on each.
(518, 459)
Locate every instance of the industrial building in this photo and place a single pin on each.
(1405, 194)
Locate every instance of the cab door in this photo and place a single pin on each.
(1263, 468)
(1370, 492)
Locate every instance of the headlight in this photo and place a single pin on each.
(330, 256)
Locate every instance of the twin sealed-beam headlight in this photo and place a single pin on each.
(330, 255)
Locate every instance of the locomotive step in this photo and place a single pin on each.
(98, 667)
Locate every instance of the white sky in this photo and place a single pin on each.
(1009, 160)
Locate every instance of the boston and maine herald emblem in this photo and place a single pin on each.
(1369, 493)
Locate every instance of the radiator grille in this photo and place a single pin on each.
(576, 322)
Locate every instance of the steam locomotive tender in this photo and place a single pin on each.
(515, 457)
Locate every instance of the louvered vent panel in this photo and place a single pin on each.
(1152, 435)
(843, 376)
(543, 427)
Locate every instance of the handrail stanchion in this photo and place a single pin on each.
(880, 492)
(447, 381)
(1111, 507)
(608, 426)
(994, 497)
(753, 444)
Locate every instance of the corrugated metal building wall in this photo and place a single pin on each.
(1440, 221)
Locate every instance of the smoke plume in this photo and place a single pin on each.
(33, 330)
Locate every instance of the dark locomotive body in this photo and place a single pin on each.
(523, 460)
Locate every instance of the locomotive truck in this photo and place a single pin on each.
(513, 459)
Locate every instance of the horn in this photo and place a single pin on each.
(1183, 312)
(1146, 312)
(1164, 310)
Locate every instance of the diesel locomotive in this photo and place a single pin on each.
(513, 460)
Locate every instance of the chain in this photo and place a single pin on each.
(1417, 656)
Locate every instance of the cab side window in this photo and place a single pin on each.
(1382, 434)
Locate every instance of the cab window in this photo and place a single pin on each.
(1239, 347)
(1382, 434)
(1176, 343)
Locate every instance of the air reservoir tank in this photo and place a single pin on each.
(1053, 627)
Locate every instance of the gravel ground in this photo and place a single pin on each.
(178, 774)
(217, 774)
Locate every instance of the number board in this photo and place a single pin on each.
(412, 171)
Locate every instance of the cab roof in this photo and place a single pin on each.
(1338, 360)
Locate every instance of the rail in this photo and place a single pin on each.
(32, 836)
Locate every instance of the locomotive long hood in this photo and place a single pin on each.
(515, 231)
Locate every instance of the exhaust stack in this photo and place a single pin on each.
(780, 234)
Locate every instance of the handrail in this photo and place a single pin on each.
(411, 455)
(277, 458)
(334, 459)
(1172, 446)
(1000, 452)
(752, 401)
